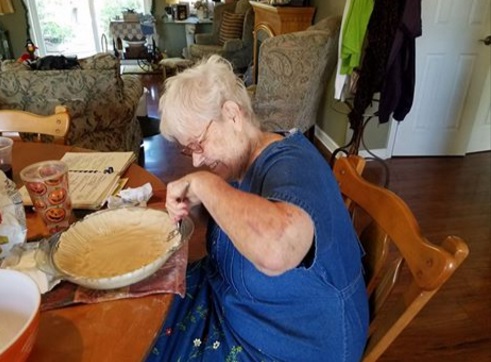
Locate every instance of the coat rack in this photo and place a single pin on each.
(357, 140)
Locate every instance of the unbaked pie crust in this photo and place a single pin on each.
(115, 243)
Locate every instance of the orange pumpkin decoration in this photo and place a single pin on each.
(57, 196)
(55, 214)
(38, 188)
(39, 204)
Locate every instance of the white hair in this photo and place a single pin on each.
(198, 94)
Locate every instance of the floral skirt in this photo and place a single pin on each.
(194, 329)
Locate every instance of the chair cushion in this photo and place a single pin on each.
(231, 27)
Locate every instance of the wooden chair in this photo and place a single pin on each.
(56, 125)
(396, 252)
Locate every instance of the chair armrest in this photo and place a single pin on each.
(233, 45)
(125, 133)
(132, 90)
(118, 112)
(204, 39)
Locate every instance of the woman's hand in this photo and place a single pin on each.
(180, 197)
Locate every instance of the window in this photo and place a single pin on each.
(76, 27)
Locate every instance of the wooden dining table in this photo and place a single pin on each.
(119, 330)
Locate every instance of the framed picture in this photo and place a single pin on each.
(182, 12)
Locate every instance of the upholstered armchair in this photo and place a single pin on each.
(232, 38)
(293, 70)
(101, 103)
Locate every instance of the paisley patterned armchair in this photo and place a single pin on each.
(101, 103)
(237, 49)
(293, 70)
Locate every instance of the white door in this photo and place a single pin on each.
(451, 69)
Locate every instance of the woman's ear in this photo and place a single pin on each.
(230, 110)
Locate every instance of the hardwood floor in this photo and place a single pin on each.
(448, 195)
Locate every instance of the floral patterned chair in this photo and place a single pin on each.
(101, 103)
(293, 70)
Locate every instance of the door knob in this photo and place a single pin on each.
(486, 40)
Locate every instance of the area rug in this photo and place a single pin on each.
(136, 69)
(150, 126)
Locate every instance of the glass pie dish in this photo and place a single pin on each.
(113, 248)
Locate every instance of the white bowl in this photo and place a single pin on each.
(19, 315)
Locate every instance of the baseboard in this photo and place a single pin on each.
(379, 153)
(331, 146)
(326, 141)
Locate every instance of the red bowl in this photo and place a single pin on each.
(19, 315)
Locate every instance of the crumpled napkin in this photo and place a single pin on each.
(137, 196)
(23, 258)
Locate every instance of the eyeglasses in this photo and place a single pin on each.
(196, 147)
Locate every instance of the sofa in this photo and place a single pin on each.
(102, 104)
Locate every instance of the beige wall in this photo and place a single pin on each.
(333, 123)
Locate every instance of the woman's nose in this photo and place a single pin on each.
(198, 159)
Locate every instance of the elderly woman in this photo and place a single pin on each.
(282, 279)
